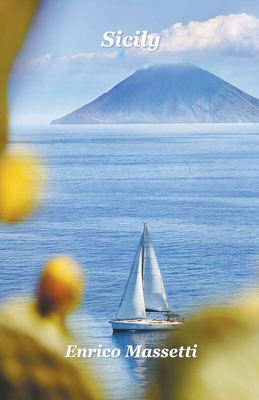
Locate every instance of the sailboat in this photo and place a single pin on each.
(144, 294)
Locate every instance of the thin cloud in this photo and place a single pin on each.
(46, 61)
(89, 56)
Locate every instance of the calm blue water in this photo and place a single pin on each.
(196, 187)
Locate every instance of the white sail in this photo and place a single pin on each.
(154, 292)
(132, 304)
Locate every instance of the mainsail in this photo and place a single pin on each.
(132, 304)
(144, 290)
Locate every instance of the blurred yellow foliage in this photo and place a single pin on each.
(15, 18)
(32, 363)
(32, 345)
(20, 185)
(227, 363)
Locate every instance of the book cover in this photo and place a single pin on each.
(129, 142)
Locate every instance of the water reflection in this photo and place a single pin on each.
(141, 368)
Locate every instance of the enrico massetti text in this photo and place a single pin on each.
(74, 351)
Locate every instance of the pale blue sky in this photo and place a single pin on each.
(63, 66)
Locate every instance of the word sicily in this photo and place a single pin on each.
(141, 39)
(73, 351)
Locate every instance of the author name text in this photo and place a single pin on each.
(74, 351)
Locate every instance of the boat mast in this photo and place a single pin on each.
(143, 252)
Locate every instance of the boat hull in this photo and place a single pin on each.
(144, 325)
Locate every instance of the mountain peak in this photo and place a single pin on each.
(184, 65)
(168, 67)
(168, 93)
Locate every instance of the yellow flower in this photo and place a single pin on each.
(20, 186)
(60, 287)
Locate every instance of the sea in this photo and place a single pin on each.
(196, 186)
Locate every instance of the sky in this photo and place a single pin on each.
(63, 66)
